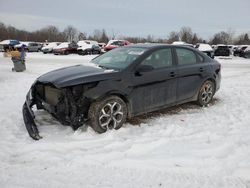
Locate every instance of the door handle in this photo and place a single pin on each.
(138, 74)
(201, 69)
(172, 74)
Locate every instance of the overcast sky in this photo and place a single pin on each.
(129, 17)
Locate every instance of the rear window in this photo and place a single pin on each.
(185, 56)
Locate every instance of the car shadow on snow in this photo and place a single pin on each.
(169, 111)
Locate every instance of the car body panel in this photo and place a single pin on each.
(112, 44)
(49, 47)
(143, 91)
(74, 75)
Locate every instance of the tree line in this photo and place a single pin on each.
(70, 33)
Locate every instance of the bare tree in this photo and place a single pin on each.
(97, 34)
(150, 38)
(186, 34)
(243, 39)
(82, 36)
(221, 38)
(70, 33)
(104, 38)
(53, 33)
(3, 31)
(173, 36)
(113, 34)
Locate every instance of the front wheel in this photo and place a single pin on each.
(206, 93)
(109, 113)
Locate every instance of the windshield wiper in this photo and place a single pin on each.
(103, 67)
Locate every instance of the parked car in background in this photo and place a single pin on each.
(101, 44)
(86, 47)
(29, 46)
(246, 53)
(232, 48)
(6, 45)
(221, 50)
(112, 44)
(181, 43)
(205, 48)
(49, 47)
(240, 50)
(140, 79)
(65, 48)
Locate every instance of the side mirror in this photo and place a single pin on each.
(144, 68)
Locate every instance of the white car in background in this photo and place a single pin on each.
(49, 48)
(205, 48)
(86, 47)
(29, 46)
(232, 48)
(182, 43)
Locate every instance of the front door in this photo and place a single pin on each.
(156, 87)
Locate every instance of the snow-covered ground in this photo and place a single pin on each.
(185, 146)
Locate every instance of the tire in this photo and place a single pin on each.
(206, 93)
(109, 113)
(83, 52)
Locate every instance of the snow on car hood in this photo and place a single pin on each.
(205, 47)
(63, 45)
(50, 46)
(5, 42)
(84, 46)
(74, 75)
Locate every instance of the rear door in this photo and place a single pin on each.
(154, 88)
(191, 72)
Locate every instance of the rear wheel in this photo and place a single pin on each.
(206, 93)
(109, 113)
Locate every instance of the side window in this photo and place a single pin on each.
(185, 56)
(159, 59)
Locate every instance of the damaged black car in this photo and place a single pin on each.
(125, 82)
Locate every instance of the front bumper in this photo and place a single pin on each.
(61, 104)
(28, 117)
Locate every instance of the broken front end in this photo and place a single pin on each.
(68, 105)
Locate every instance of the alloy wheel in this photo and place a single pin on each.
(111, 115)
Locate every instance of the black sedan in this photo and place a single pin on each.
(123, 83)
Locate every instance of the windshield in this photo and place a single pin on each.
(118, 59)
(117, 43)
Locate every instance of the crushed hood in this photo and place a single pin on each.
(75, 75)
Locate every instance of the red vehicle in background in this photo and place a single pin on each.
(65, 48)
(112, 44)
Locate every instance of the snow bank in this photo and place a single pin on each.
(184, 146)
